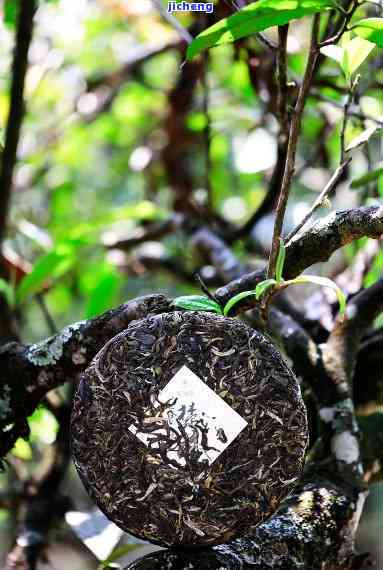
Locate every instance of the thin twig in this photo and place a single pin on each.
(348, 14)
(346, 116)
(205, 288)
(283, 32)
(175, 24)
(292, 146)
(351, 112)
(16, 110)
(207, 129)
(267, 203)
(331, 184)
(46, 313)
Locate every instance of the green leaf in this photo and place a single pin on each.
(370, 29)
(334, 52)
(323, 282)
(367, 178)
(280, 261)
(10, 13)
(118, 553)
(104, 292)
(362, 138)
(263, 286)
(350, 55)
(236, 299)
(255, 17)
(8, 291)
(197, 303)
(22, 450)
(354, 54)
(43, 426)
(52, 265)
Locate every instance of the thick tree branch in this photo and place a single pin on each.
(297, 343)
(338, 450)
(341, 350)
(36, 369)
(213, 249)
(317, 244)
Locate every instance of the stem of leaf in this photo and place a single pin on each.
(292, 146)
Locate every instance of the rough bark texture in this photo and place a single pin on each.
(312, 531)
(36, 369)
(316, 244)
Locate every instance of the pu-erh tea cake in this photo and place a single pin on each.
(188, 429)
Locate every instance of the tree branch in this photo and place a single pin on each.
(218, 253)
(317, 244)
(267, 203)
(150, 232)
(331, 184)
(340, 354)
(174, 23)
(292, 147)
(38, 368)
(16, 111)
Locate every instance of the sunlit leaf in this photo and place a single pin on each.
(280, 261)
(333, 51)
(104, 293)
(254, 18)
(43, 426)
(22, 450)
(52, 265)
(350, 55)
(355, 53)
(370, 29)
(118, 553)
(323, 282)
(197, 303)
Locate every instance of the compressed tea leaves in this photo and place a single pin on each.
(188, 429)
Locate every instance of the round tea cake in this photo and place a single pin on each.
(188, 428)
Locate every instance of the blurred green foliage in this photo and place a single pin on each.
(85, 172)
(90, 174)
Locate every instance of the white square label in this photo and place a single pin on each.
(190, 422)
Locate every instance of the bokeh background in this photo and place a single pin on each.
(91, 171)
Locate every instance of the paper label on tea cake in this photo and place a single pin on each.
(190, 422)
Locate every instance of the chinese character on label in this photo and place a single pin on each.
(193, 423)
